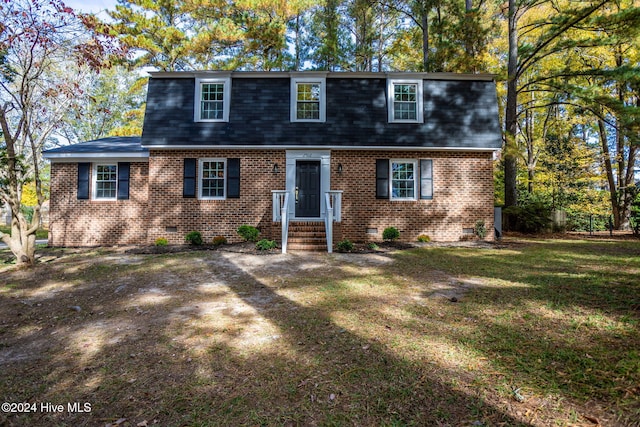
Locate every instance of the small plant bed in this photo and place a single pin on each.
(374, 247)
(239, 247)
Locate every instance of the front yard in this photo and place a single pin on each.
(530, 332)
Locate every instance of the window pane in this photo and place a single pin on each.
(402, 180)
(212, 101)
(405, 103)
(308, 91)
(212, 179)
(106, 181)
(308, 110)
(308, 101)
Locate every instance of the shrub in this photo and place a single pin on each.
(248, 233)
(219, 240)
(424, 238)
(391, 234)
(194, 238)
(530, 216)
(265, 245)
(635, 215)
(373, 246)
(344, 246)
(161, 241)
(480, 230)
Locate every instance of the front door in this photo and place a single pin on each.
(307, 189)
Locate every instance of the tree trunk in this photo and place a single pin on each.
(613, 192)
(298, 46)
(425, 36)
(511, 147)
(22, 241)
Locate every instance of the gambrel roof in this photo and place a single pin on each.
(460, 113)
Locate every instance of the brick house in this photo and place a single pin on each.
(349, 153)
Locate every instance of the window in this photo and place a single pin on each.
(212, 177)
(403, 179)
(105, 178)
(308, 100)
(405, 101)
(212, 100)
(399, 179)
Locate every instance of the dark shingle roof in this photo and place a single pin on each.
(116, 145)
(458, 114)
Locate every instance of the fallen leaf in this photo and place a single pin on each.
(592, 419)
(143, 424)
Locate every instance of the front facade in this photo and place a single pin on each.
(219, 150)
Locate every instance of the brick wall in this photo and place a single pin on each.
(462, 194)
(462, 188)
(74, 222)
(169, 211)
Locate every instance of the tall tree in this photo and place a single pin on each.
(111, 103)
(46, 48)
(417, 11)
(327, 35)
(590, 70)
(522, 56)
(156, 31)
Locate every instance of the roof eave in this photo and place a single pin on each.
(329, 75)
(140, 156)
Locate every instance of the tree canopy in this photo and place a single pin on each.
(568, 74)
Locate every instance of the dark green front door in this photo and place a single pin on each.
(307, 189)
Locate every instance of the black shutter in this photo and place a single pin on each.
(233, 178)
(382, 179)
(426, 179)
(123, 180)
(189, 179)
(84, 175)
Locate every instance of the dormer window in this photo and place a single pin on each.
(213, 96)
(308, 102)
(405, 101)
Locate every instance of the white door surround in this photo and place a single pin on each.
(324, 156)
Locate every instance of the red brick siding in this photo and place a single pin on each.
(213, 217)
(462, 194)
(74, 222)
(462, 187)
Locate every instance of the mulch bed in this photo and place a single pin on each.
(250, 248)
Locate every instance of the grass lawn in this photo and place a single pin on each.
(529, 333)
(40, 234)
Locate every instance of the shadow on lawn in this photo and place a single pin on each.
(165, 339)
(569, 326)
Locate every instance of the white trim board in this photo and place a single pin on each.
(112, 157)
(314, 147)
(324, 156)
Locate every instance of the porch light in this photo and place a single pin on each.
(339, 167)
(276, 169)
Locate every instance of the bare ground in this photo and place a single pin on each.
(223, 338)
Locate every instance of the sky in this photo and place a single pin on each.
(92, 6)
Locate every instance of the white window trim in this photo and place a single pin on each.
(420, 104)
(199, 183)
(226, 102)
(322, 81)
(94, 182)
(416, 178)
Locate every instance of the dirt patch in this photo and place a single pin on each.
(229, 336)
